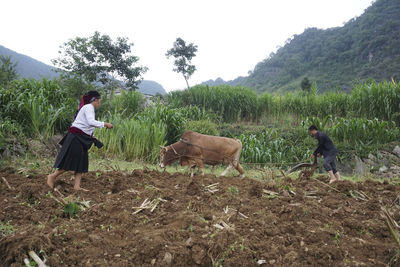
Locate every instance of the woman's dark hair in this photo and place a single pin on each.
(312, 127)
(92, 95)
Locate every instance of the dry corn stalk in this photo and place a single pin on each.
(269, 192)
(226, 210)
(392, 225)
(359, 195)
(212, 188)
(148, 205)
(222, 225)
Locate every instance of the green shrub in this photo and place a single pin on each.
(203, 127)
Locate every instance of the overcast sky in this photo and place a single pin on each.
(232, 35)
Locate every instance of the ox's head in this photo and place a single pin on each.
(167, 156)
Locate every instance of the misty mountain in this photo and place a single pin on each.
(151, 88)
(28, 67)
(366, 47)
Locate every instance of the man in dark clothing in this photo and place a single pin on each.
(328, 151)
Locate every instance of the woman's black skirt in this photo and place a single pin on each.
(74, 153)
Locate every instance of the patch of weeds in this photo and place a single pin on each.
(286, 187)
(71, 208)
(31, 263)
(233, 246)
(360, 232)
(190, 228)
(272, 196)
(6, 228)
(242, 247)
(213, 234)
(53, 220)
(233, 189)
(150, 187)
(204, 219)
(337, 236)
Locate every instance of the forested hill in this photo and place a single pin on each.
(365, 47)
(28, 67)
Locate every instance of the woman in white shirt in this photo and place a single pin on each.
(75, 145)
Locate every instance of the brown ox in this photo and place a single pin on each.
(194, 149)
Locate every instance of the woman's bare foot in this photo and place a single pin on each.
(332, 181)
(50, 180)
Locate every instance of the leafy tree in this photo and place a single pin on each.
(75, 85)
(8, 70)
(183, 55)
(306, 85)
(99, 59)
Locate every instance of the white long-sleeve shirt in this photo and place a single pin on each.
(85, 120)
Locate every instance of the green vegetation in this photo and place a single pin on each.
(71, 208)
(6, 228)
(100, 59)
(132, 139)
(183, 55)
(203, 126)
(272, 127)
(365, 47)
(230, 104)
(8, 70)
(273, 147)
(39, 107)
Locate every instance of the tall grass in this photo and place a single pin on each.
(140, 135)
(377, 100)
(271, 147)
(132, 139)
(356, 130)
(234, 104)
(369, 100)
(129, 103)
(40, 107)
(301, 103)
(229, 103)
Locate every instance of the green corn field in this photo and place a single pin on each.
(272, 127)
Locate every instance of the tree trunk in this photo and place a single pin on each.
(187, 83)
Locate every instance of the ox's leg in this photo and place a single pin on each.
(239, 168)
(200, 165)
(192, 171)
(192, 165)
(227, 169)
